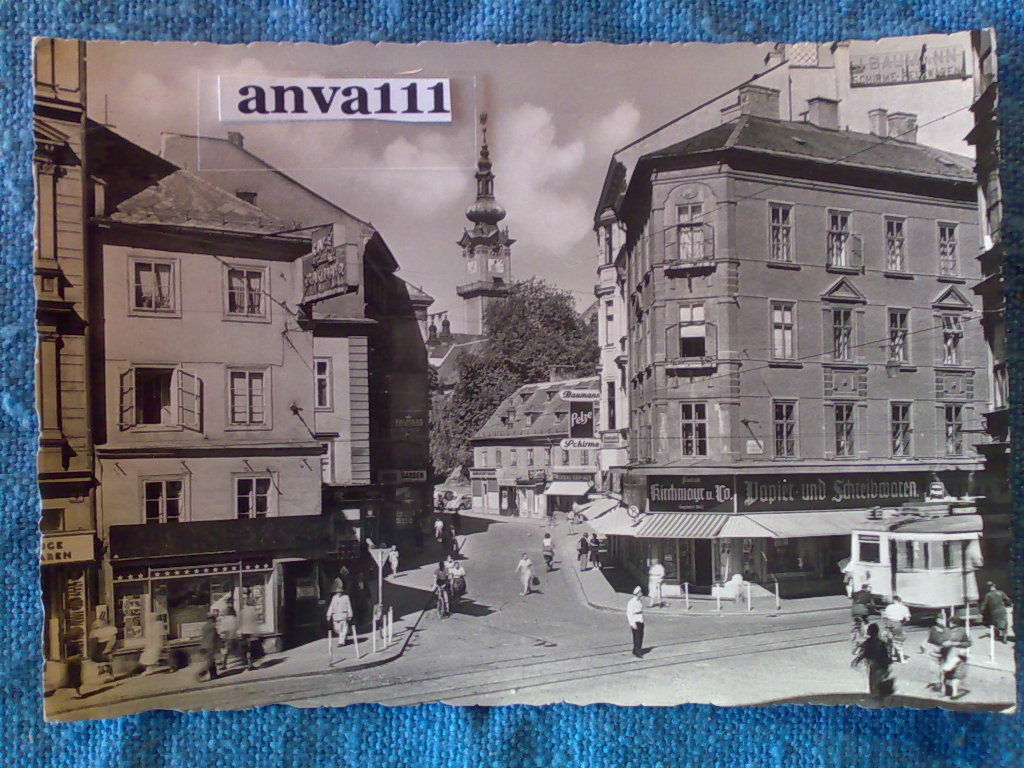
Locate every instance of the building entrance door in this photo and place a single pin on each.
(702, 568)
(303, 609)
(509, 501)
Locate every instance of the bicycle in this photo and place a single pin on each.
(444, 607)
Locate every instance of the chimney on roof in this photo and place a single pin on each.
(237, 139)
(756, 100)
(879, 122)
(561, 372)
(903, 126)
(823, 112)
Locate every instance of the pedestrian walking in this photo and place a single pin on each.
(895, 615)
(393, 560)
(457, 574)
(456, 522)
(227, 633)
(655, 577)
(594, 554)
(994, 611)
(877, 653)
(339, 614)
(248, 628)
(574, 517)
(953, 656)
(547, 548)
(209, 645)
(934, 644)
(155, 633)
(438, 529)
(860, 610)
(448, 541)
(442, 590)
(525, 571)
(635, 619)
(583, 552)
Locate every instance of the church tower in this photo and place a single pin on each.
(486, 249)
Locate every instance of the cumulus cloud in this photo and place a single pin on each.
(618, 127)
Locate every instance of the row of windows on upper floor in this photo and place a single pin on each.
(690, 337)
(156, 289)
(154, 397)
(535, 457)
(165, 499)
(846, 423)
(691, 242)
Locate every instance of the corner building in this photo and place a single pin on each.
(802, 341)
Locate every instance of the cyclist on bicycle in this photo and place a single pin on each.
(548, 550)
(442, 588)
(860, 610)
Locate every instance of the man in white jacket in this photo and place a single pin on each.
(635, 618)
(655, 577)
(339, 613)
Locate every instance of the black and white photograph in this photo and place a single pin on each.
(491, 374)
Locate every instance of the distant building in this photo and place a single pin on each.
(68, 557)
(519, 466)
(801, 339)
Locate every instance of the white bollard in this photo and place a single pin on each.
(992, 644)
(330, 645)
(967, 620)
(718, 601)
(355, 640)
(373, 638)
(778, 600)
(391, 625)
(750, 605)
(686, 591)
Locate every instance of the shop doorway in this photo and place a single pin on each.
(303, 608)
(509, 501)
(702, 562)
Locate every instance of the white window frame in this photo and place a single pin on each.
(328, 378)
(953, 352)
(781, 248)
(174, 310)
(230, 423)
(272, 493)
(836, 328)
(895, 244)
(948, 248)
(850, 448)
(838, 239)
(905, 446)
(689, 327)
(689, 221)
(699, 438)
(784, 326)
(185, 403)
(776, 423)
(953, 431)
(163, 480)
(898, 349)
(263, 315)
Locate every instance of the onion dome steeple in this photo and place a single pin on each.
(485, 210)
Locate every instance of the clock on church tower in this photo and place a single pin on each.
(486, 248)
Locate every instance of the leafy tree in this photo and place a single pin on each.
(535, 328)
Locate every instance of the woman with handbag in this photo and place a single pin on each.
(458, 577)
(525, 571)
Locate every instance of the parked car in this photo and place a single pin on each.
(460, 502)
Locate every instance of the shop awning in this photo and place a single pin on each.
(793, 525)
(598, 508)
(568, 488)
(681, 525)
(614, 522)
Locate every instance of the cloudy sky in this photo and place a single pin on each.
(557, 112)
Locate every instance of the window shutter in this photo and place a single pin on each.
(940, 351)
(860, 430)
(826, 335)
(856, 246)
(857, 342)
(126, 400)
(189, 400)
(830, 431)
(940, 430)
(711, 340)
(672, 342)
(709, 241)
(657, 320)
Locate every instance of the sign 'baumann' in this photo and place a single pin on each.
(779, 493)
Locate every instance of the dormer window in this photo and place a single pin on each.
(246, 196)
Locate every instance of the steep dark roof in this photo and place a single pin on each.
(540, 402)
(805, 141)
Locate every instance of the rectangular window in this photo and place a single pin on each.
(692, 331)
(247, 398)
(899, 429)
(780, 232)
(513, 457)
(529, 457)
(160, 396)
(784, 418)
(610, 387)
(898, 350)
(783, 330)
(245, 292)
(948, 257)
(565, 456)
(584, 457)
(483, 458)
(870, 549)
(954, 417)
(839, 239)
(952, 340)
(694, 429)
(162, 500)
(895, 245)
(322, 375)
(252, 497)
(153, 286)
(1000, 386)
(153, 389)
(689, 231)
(842, 334)
(497, 457)
(844, 429)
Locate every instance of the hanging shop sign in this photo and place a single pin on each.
(690, 493)
(323, 270)
(585, 443)
(75, 614)
(68, 548)
(581, 418)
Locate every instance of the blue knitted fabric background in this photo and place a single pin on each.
(438, 735)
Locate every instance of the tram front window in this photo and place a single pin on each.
(870, 551)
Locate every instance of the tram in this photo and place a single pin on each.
(930, 560)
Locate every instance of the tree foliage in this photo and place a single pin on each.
(535, 328)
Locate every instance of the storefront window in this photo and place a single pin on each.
(129, 611)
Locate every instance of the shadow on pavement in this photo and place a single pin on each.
(899, 700)
(469, 608)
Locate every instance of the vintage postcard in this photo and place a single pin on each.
(492, 374)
